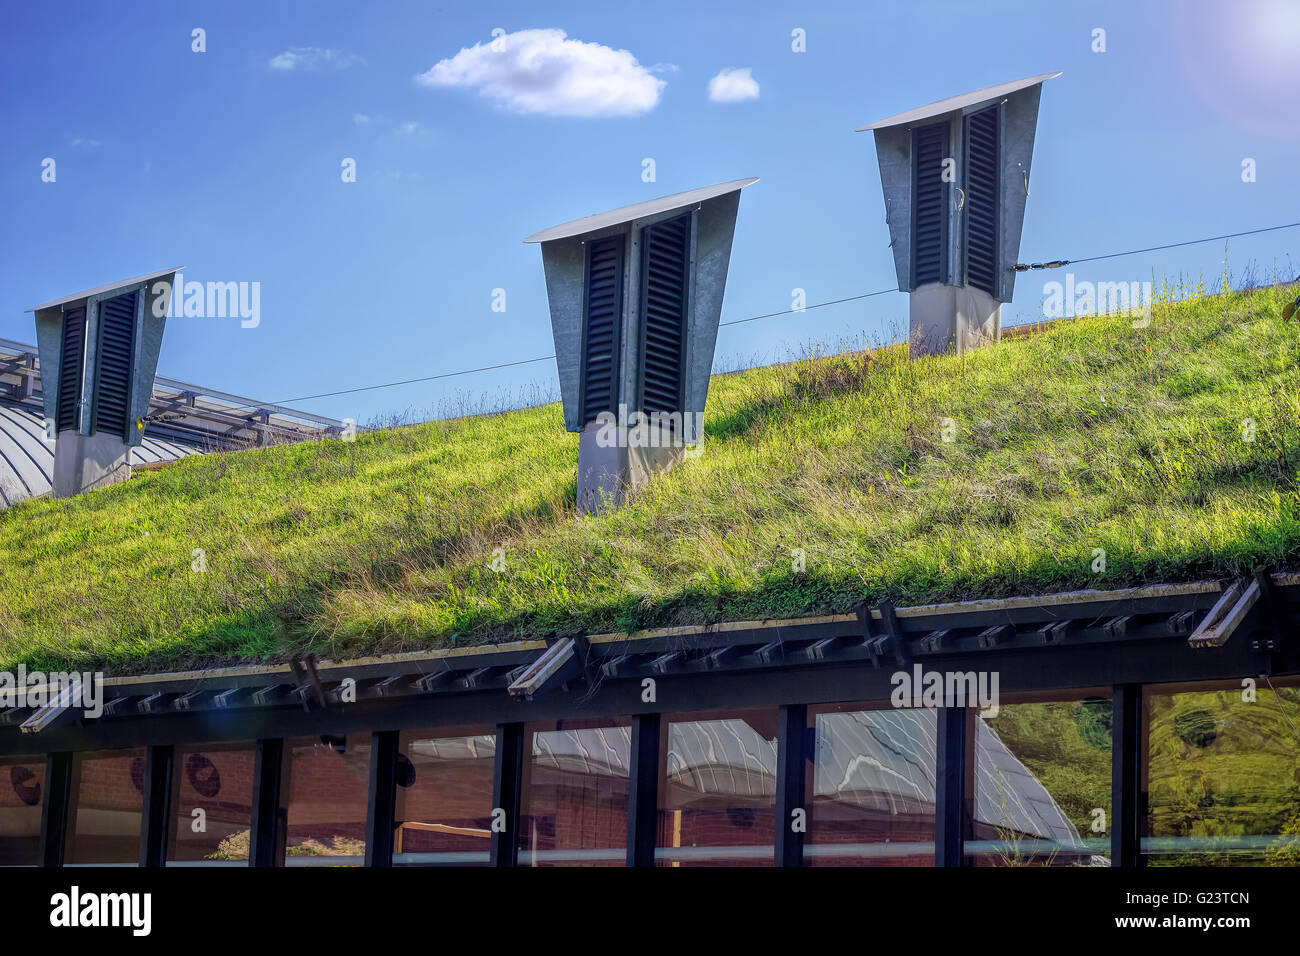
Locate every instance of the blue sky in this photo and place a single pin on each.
(228, 161)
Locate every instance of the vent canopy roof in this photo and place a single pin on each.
(954, 103)
(99, 290)
(640, 210)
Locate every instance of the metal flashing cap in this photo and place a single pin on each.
(640, 210)
(954, 104)
(102, 290)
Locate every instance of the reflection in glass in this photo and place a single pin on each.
(717, 789)
(443, 811)
(327, 782)
(575, 792)
(22, 789)
(871, 787)
(1042, 785)
(107, 801)
(212, 795)
(1223, 775)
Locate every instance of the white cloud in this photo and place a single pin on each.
(306, 58)
(83, 142)
(379, 121)
(732, 86)
(542, 71)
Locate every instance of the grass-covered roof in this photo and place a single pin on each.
(1173, 448)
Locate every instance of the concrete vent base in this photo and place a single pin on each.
(614, 461)
(946, 318)
(86, 462)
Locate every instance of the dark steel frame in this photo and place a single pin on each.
(1129, 641)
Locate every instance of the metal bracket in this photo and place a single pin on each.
(308, 682)
(1226, 616)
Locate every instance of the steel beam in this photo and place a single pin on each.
(791, 777)
(643, 791)
(155, 820)
(54, 809)
(1126, 803)
(507, 784)
(269, 823)
(381, 797)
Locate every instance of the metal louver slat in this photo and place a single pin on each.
(665, 256)
(115, 351)
(71, 368)
(982, 194)
(603, 315)
(930, 208)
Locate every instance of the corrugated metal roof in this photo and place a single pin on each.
(105, 288)
(27, 459)
(955, 103)
(640, 210)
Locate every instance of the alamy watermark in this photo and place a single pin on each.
(1074, 299)
(209, 300)
(922, 688)
(83, 690)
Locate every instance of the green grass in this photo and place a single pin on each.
(1091, 435)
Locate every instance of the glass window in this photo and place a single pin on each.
(22, 788)
(1222, 774)
(443, 810)
(327, 780)
(575, 791)
(1042, 783)
(717, 788)
(870, 790)
(212, 795)
(107, 802)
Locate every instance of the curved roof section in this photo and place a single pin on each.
(640, 210)
(27, 459)
(954, 103)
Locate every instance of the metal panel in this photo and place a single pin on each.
(71, 361)
(640, 210)
(981, 135)
(114, 359)
(602, 318)
(665, 270)
(954, 103)
(930, 210)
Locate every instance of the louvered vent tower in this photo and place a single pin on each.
(635, 297)
(956, 175)
(98, 353)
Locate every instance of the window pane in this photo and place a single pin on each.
(1042, 785)
(717, 789)
(212, 792)
(872, 787)
(1223, 775)
(22, 788)
(107, 799)
(574, 805)
(328, 784)
(444, 796)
